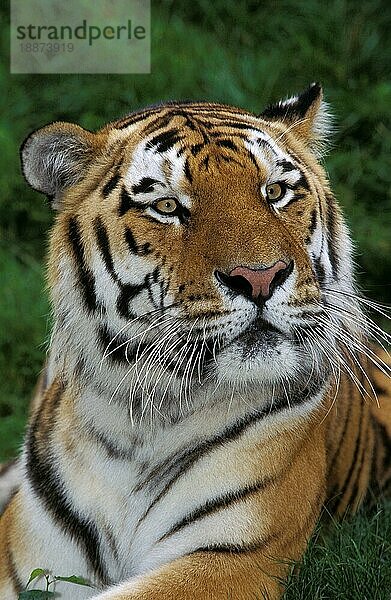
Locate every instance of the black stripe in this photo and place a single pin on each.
(127, 293)
(251, 156)
(300, 183)
(80, 370)
(286, 166)
(196, 148)
(112, 543)
(177, 464)
(145, 185)
(136, 117)
(127, 351)
(374, 487)
(187, 171)
(189, 121)
(236, 548)
(164, 120)
(160, 122)
(353, 464)
(194, 110)
(226, 144)
(127, 202)
(238, 125)
(228, 159)
(217, 504)
(140, 250)
(170, 110)
(380, 390)
(218, 132)
(206, 361)
(116, 351)
(164, 141)
(112, 451)
(269, 539)
(313, 222)
(120, 351)
(220, 111)
(127, 290)
(86, 281)
(102, 240)
(319, 271)
(381, 457)
(47, 483)
(110, 185)
(385, 439)
(265, 144)
(205, 162)
(154, 276)
(295, 198)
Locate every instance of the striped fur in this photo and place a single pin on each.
(187, 432)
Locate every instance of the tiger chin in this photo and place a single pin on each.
(209, 385)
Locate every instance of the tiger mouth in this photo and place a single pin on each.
(259, 335)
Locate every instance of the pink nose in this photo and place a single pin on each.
(257, 284)
(260, 279)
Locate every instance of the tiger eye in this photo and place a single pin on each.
(274, 192)
(166, 206)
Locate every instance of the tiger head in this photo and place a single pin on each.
(196, 246)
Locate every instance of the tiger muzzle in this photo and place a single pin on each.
(257, 285)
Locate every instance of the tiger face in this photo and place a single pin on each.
(201, 242)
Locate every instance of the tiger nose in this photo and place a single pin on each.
(256, 284)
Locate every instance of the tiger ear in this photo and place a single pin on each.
(56, 157)
(307, 116)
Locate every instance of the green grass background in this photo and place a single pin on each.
(244, 53)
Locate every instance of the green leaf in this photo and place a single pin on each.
(36, 595)
(34, 574)
(74, 579)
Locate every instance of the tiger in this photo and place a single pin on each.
(212, 382)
